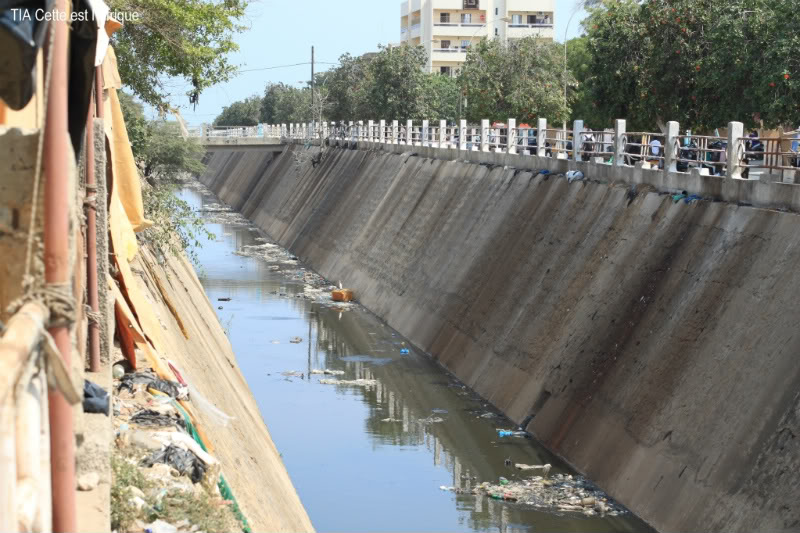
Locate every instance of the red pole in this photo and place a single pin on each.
(91, 243)
(56, 263)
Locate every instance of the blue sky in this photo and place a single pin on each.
(282, 33)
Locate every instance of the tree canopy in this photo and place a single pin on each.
(522, 78)
(703, 63)
(176, 40)
(284, 104)
(245, 112)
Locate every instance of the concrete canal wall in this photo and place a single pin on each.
(652, 344)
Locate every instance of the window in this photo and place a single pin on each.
(466, 18)
(445, 71)
(465, 44)
(532, 19)
(497, 11)
(516, 19)
(471, 4)
(496, 32)
(445, 44)
(444, 18)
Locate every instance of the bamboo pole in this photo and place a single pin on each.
(29, 399)
(22, 334)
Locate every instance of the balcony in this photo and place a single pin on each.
(414, 30)
(453, 54)
(456, 29)
(519, 31)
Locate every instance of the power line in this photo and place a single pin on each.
(287, 66)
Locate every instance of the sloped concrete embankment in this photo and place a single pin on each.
(194, 339)
(653, 343)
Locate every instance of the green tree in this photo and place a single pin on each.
(284, 104)
(396, 82)
(439, 99)
(162, 156)
(582, 105)
(188, 40)
(242, 113)
(700, 62)
(348, 85)
(523, 79)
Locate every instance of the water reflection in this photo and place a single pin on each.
(366, 458)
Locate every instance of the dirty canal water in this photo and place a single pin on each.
(388, 441)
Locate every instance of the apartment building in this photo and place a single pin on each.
(447, 28)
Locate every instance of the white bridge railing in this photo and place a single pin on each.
(733, 155)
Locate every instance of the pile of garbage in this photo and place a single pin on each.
(222, 214)
(155, 447)
(561, 493)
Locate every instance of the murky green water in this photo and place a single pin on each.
(367, 458)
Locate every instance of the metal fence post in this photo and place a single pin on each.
(735, 149)
(577, 134)
(541, 137)
(620, 140)
(511, 136)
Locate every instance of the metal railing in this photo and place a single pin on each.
(668, 150)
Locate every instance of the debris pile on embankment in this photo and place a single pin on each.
(164, 480)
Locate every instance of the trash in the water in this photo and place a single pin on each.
(502, 433)
(391, 420)
(95, 399)
(353, 382)
(184, 461)
(149, 417)
(439, 411)
(487, 415)
(342, 295)
(293, 374)
(544, 468)
(223, 299)
(431, 420)
(404, 351)
(562, 493)
(503, 481)
(328, 372)
(296, 340)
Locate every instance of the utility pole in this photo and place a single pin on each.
(313, 118)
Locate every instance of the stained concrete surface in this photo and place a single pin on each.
(653, 343)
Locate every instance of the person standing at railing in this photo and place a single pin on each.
(655, 152)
